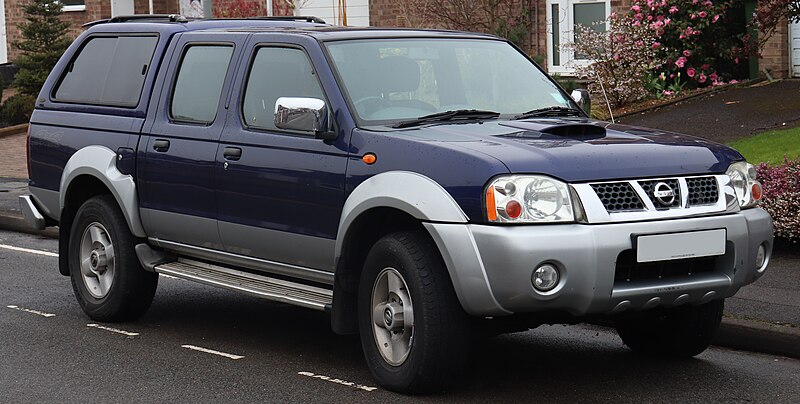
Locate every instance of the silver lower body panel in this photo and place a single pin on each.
(587, 256)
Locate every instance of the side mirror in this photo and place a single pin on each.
(303, 115)
(581, 96)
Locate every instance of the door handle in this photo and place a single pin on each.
(161, 145)
(232, 153)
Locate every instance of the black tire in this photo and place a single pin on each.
(440, 332)
(131, 288)
(680, 332)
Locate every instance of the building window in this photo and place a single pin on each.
(562, 18)
(74, 5)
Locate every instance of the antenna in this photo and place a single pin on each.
(603, 89)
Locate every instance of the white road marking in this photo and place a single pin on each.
(211, 351)
(28, 250)
(37, 312)
(114, 330)
(337, 381)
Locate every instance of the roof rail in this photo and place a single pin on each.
(139, 17)
(305, 18)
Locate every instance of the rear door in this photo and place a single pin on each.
(280, 193)
(177, 172)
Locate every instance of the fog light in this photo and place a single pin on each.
(761, 256)
(545, 277)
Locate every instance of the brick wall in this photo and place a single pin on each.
(95, 10)
(775, 57)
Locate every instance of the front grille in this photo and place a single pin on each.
(702, 191)
(628, 270)
(618, 196)
(649, 187)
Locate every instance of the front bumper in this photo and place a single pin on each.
(491, 266)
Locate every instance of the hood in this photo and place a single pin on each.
(575, 149)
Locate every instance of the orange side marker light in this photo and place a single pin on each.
(369, 158)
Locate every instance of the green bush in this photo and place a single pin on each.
(17, 109)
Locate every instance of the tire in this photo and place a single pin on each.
(108, 286)
(404, 273)
(680, 332)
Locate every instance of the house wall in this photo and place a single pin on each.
(394, 13)
(328, 10)
(775, 56)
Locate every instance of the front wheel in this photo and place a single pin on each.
(680, 332)
(413, 330)
(107, 279)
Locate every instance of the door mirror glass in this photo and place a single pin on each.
(581, 97)
(302, 114)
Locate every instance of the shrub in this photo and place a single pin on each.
(622, 58)
(238, 8)
(17, 109)
(663, 47)
(782, 196)
(44, 41)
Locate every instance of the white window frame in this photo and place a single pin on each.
(76, 7)
(566, 24)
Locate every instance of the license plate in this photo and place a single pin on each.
(663, 247)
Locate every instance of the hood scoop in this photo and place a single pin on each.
(563, 128)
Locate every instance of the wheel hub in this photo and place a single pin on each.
(98, 261)
(392, 316)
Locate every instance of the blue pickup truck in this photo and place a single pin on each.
(423, 187)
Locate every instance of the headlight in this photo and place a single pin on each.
(528, 199)
(743, 180)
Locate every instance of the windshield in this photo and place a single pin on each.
(388, 80)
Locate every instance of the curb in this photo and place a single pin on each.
(12, 222)
(757, 336)
(739, 334)
(13, 130)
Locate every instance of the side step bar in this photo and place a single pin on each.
(258, 285)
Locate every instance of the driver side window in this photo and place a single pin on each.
(275, 73)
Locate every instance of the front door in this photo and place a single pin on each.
(280, 193)
(562, 18)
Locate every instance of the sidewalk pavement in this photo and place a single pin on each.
(762, 317)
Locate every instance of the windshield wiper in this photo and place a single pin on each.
(550, 111)
(447, 116)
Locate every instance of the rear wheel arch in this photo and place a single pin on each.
(92, 171)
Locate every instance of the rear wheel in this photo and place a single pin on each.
(683, 332)
(414, 332)
(108, 281)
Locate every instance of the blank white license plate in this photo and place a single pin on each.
(662, 247)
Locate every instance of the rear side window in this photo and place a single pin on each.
(108, 71)
(199, 84)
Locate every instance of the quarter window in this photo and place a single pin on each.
(108, 71)
(199, 83)
(275, 73)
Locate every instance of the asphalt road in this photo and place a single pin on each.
(268, 352)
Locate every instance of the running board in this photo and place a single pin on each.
(269, 288)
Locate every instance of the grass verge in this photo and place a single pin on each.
(770, 146)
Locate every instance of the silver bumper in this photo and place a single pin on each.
(491, 266)
(33, 217)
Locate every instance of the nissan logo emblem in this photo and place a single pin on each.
(664, 194)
